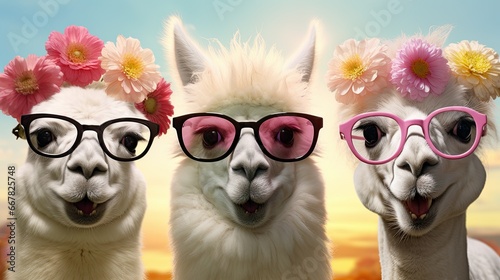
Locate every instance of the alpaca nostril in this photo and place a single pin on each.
(88, 159)
(87, 172)
(405, 166)
(417, 157)
(250, 171)
(427, 166)
(418, 168)
(247, 158)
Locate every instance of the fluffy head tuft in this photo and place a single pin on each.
(247, 74)
(243, 73)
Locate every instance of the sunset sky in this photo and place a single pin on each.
(25, 26)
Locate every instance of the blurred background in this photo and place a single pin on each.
(25, 26)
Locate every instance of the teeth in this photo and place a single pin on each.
(94, 205)
(93, 213)
(423, 216)
(414, 216)
(80, 212)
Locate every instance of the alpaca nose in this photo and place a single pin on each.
(88, 159)
(248, 157)
(417, 157)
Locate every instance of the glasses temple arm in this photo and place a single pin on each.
(353, 137)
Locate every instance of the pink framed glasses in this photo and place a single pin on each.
(378, 137)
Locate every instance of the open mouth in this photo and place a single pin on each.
(251, 213)
(418, 206)
(85, 211)
(86, 207)
(251, 207)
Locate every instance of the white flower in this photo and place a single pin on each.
(130, 70)
(358, 68)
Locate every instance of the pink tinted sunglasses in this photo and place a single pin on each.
(283, 137)
(379, 137)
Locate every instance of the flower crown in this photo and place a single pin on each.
(80, 59)
(418, 69)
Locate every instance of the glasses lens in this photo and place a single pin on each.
(376, 138)
(207, 137)
(287, 137)
(126, 139)
(453, 132)
(52, 136)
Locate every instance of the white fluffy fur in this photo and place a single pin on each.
(49, 244)
(209, 242)
(440, 248)
(244, 73)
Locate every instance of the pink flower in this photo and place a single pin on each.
(157, 107)
(357, 69)
(130, 70)
(419, 69)
(27, 82)
(77, 53)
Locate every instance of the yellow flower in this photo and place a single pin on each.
(476, 67)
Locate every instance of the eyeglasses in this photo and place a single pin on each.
(283, 137)
(378, 137)
(123, 139)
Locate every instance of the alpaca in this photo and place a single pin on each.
(420, 196)
(246, 216)
(79, 216)
(430, 240)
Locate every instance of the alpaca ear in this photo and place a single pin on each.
(185, 56)
(438, 35)
(303, 60)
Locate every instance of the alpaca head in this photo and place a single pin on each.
(85, 188)
(437, 174)
(419, 189)
(247, 184)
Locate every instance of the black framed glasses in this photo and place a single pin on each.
(122, 139)
(283, 137)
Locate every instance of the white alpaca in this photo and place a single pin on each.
(435, 246)
(79, 216)
(245, 216)
(421, 197)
